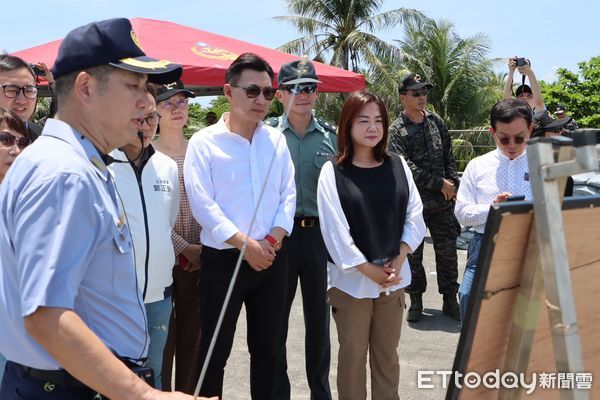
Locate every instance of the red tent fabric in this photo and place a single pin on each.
(205, 56)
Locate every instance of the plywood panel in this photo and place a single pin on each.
(494, 321)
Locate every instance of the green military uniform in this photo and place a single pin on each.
(307, 254)
(309, 153)
(427, 148)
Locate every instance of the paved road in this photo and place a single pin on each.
(427, 345)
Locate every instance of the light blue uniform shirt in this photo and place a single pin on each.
(64, 243)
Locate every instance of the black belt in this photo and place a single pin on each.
(232, 250)
(306, 222)
(58, 377)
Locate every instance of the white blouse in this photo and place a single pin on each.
(485, 178)
(346, 256)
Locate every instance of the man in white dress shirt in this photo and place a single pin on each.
(225, 169)
(492, 178)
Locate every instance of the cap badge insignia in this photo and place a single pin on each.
(136, 40)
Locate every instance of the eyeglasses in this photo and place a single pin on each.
(169, 105)
(418, 93)
(9, 140)
(506, 141)
(152, 119)
(297, 89)
(252, 91)
(12, 91)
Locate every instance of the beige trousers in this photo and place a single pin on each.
(371, 325)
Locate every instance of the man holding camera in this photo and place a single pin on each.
(73, 323)
(531, 94)
(421, 137)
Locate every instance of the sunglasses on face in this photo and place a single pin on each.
(506, 141)
(169, 105)
(297, 89)
(12, 91)
(418, 93)
(9, 140)
(253, 91)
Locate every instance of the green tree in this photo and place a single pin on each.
(465, 87)
(346, 30)
(578, 91)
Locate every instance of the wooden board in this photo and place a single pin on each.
(484, 340)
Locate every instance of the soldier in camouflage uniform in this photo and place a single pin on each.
(421, 137)
(560, 113)
(311, 143)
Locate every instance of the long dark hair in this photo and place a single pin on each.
(350, 110)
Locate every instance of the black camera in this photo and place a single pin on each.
(37, 70)
(521, 61)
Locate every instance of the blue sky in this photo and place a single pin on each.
(551, 33)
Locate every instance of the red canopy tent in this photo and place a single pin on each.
(205, 56)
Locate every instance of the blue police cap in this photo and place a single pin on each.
(110, 42)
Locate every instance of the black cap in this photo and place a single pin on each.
(413, 82)
(110, 42)
(557, 124)
(521, 89)
(168, 90)
(297, 72)
(560, 108)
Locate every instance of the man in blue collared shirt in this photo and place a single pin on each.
(69, 300)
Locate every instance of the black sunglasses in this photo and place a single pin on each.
(9, 140)
(297, 89)
(418, 93)
(253, 91)
(506, 141)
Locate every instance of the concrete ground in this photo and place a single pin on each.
(427, 345)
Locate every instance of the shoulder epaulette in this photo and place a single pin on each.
(273, 121)
(328, 127)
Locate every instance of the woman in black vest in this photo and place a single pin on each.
(371, 218)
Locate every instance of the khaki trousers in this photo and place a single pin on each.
(371, 325)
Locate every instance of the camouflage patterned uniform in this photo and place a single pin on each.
(427, 149)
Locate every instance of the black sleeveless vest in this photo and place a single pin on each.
(374, 201)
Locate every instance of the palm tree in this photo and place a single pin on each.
(347, 31)
(464, 85)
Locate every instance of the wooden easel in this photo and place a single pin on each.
(551, 161)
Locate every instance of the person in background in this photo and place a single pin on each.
(14, 137)
(422, 138)
(184, 328)
(371, 219)
(211, 118)
(19, 91)
(532, 93)
(561, 113)
(492, 178)
(149, 189)
(226, 167)
(311, 143)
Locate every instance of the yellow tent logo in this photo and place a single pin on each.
(213, 53)
(136, 40)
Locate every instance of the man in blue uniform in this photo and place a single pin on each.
(69, 301)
